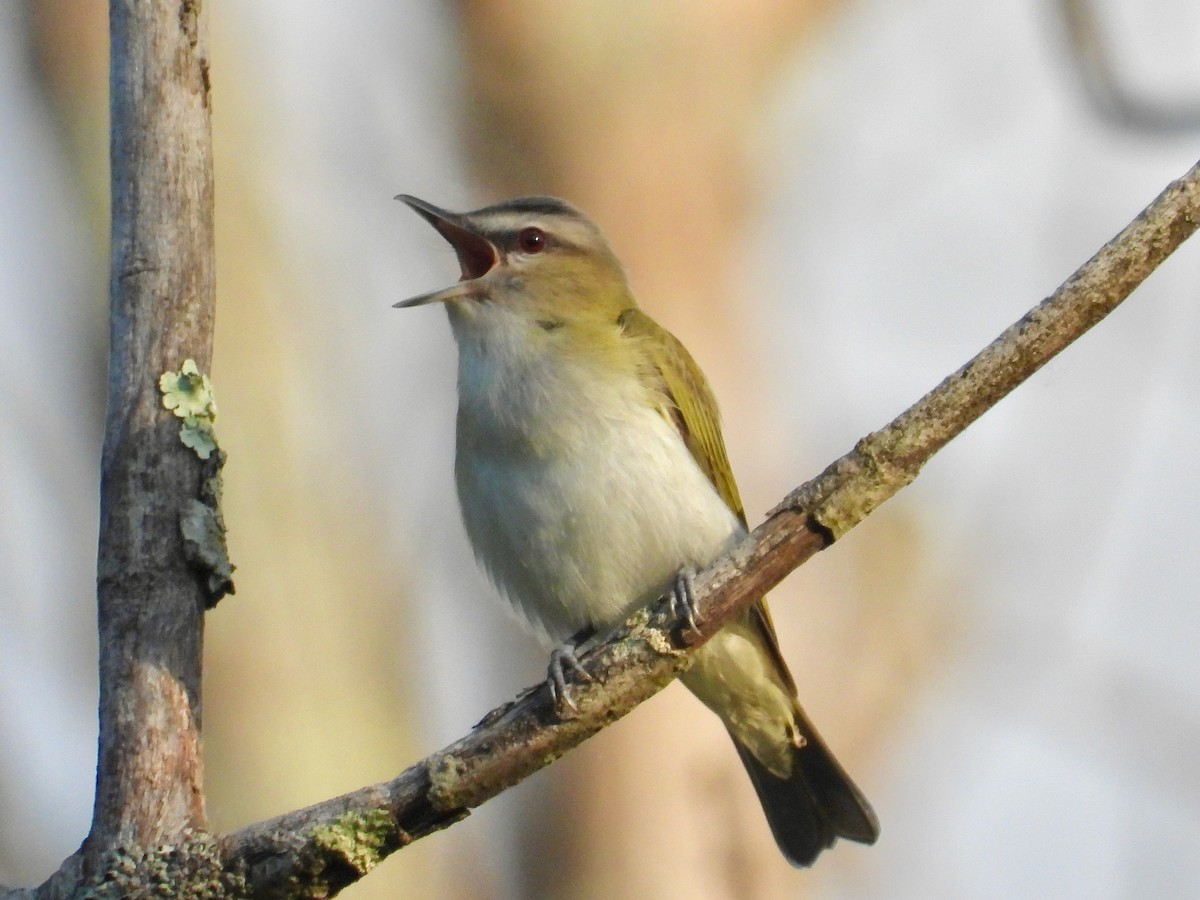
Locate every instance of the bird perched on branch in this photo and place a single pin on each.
(593, 480)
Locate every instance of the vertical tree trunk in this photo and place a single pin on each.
(151, 604)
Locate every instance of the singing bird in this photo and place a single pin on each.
(593, 480)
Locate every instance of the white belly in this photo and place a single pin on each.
(593, 519)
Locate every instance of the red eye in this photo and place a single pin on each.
(532, 240)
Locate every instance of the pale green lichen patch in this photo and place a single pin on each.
(361, 841)
(660, 641)
(446, 772)
(188, 393)
(191, 868)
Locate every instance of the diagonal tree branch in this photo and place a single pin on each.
(318, 850)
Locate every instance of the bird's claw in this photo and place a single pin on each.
(683, 598)
(563, 658)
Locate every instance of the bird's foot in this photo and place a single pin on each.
(563, 658)
(683, 598)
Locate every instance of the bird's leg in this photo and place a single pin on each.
(683, 598)
(563, 658)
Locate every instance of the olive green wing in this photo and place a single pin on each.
(689, 404)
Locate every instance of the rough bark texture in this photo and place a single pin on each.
(148, 780)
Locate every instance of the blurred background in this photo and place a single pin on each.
(834, 203)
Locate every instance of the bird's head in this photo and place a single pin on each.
(535, 257)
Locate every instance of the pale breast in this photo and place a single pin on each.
(580, 499)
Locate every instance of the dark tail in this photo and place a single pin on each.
(811, 809)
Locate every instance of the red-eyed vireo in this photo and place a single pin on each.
(593, 480)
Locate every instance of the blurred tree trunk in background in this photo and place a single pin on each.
(645, 115)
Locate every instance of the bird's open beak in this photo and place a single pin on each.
(476, 254)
